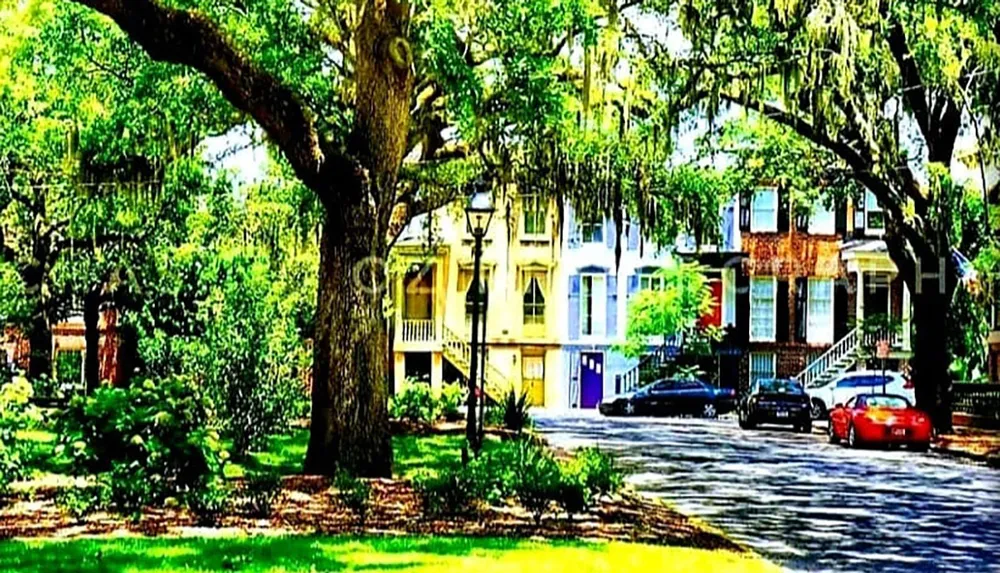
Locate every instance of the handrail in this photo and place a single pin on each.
(629, 380)
(460, 354)
(846, 345)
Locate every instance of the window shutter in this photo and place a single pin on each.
(726, 229)
(802, 222)
(610, 233)
(633, 236)
(781, 326)
(840, 216)
(783, 210)
(801, 308)
(745, 211)
(742, 307)
(633, 285)
(574, 307)
(612, 308)
(841, 321)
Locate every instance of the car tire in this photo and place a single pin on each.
(746, 424)
(852, 438)
(628, 409)
(805, 428)
(920, 448)
(817, 409)
(832, 435)
(708, 410)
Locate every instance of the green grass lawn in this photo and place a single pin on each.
(322, 554)
(286, 452)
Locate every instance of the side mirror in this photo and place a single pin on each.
(838, 406)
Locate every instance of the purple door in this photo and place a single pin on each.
(591, 379)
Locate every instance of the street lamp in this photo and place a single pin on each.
(478, 214)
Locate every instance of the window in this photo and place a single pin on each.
(762, 308)
(535, 214)
(665, 386)
(470, 301)
(534, 302)
(823, 220)
(592, 305)
(764, 211)
(592, 232)
(874, 217)
(819, 312)
(761, 366)
(650, 281)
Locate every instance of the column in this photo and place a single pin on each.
(860, 297)
(906, 316)
(437, 370)
(399, 370)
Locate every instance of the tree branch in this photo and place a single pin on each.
(187, 38)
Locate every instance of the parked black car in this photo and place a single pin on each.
(672, 397)
(776, 401)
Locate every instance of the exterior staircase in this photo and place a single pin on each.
(655, 360)
(458, 351)
(843, 355)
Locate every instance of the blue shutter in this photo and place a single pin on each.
(612, 307)
(633, 236)
(633, 285)
(728, 217)
(574, 307)
(610, 233)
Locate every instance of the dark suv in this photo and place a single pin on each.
(775, 401)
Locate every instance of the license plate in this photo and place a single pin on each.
(898, 431)
(782, 414)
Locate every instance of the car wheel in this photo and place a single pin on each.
(629, 408)
(805, 428)
(709, 411)
(852, 437)
(832, 435)
(745, 422)
(818, 409)
(922, 448)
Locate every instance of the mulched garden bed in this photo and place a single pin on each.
(307, 505)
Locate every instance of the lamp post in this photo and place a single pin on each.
(478, 214)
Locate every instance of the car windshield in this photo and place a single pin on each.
(779, 387)
(895, 402)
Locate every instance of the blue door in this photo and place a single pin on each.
(591, 379)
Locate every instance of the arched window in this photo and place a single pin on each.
(534, 303)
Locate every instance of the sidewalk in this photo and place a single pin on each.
(972, 443)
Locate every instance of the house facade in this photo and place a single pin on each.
(598, 288)
(433, 281)
(812, 278)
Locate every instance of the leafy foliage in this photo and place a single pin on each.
(261, 490)
(16, 413)
(354, 494)
(153, 440)
(669, 312)
(514, 411)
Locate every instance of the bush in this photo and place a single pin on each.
(262, 489)
(513, 411)
(353, 494)
(78, 502)
(537, 478)
(573, 495)
(210, 503)
(600, 473)
(16, 414)
(452, 398)
(151, 441)
(415, 403)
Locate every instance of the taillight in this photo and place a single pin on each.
(908, 384)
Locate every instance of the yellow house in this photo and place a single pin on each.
(432, 274)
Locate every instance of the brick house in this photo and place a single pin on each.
(810, 278)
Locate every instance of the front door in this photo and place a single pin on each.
(591, 379)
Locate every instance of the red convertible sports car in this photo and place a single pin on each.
(880, 419)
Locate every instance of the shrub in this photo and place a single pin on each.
(16, 414)
(600, 473)
(152, 441)
(514, 411)
(79, 502)
(573, 495)
(354, 494)
(415, 403)
(452, 398)
(210, 503)
(537, 478)
(262, 489)
(450, 493)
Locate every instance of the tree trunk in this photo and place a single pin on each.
(40, 340)
(92, 340)
(350, 418)
(931, 358)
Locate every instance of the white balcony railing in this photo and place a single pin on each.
(418, 330)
